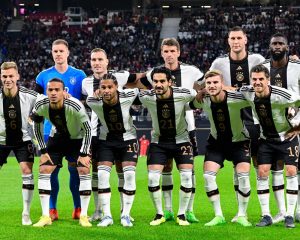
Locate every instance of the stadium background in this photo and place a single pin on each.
(131, 31)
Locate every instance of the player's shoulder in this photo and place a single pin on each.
(281, 92)
(189, 66)
(221, 59)
(28, 91)
(256, 57)
(46, 71)
(247, 88)
(145, 93)
(41, 101)
(125, 93)
(181, 90)
(266, 62)
(294, 61)
(73, 103)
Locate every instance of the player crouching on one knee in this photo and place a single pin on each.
(70, 136)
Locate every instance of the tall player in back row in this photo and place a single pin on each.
(235, 68)
(16, 104)
(99, 65)
(186, 76)
(72, 79)
(285, 73)
(169, 139)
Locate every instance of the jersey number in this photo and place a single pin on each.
(166, 124)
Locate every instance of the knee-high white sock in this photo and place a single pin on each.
(27, 192)
(278, 189)
(104, 192)
(191, 202)
(291, 194)
(263, 193)
(167, 188)
(95, 190)
(44, 186)
(121, 188)
(243, 193)
(129, 189)
(154, 189)
(185, 190)
(212, 191)
(85, 188)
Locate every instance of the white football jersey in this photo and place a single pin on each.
(168, 115)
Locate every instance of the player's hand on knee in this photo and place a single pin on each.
(292, 133)
(45, 160)
(84, 161)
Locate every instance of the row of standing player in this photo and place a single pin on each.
(171, 60)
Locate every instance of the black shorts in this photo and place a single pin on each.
(193, 140)
(94, 147)
(23, 152)
(271, 152)
(59, 147)
(160, 153)
(254, 133)
(236, 152)
(117, 151)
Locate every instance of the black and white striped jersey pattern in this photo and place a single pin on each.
(114, 121)
(272, 112)
(287, 77)
(185, 76)
(91, 84)
(169, 115)
(227, 119)
(223, 64)
(77, 120)
(27, 100)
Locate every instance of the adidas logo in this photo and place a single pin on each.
(165, 106)
(239, 68)
(278, 76)
(11, 106)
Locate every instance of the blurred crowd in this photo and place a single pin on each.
(132, 40)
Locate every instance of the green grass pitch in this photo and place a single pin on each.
(143, 211)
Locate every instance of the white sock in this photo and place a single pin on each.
(236, 184)
(212, 191)
(44, 186)
(298, 198)
(291, 194)
(104, 193)
(263, 193)
(243, 193)
(185, 190)
(121, 188)
(27, 192)
(85, 188)
(278, 189)
(192, 198)
(154, 189)
(129, 189)
(167, 188)
(95, 190)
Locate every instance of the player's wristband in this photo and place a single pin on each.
(44, 151)
(83, 154)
